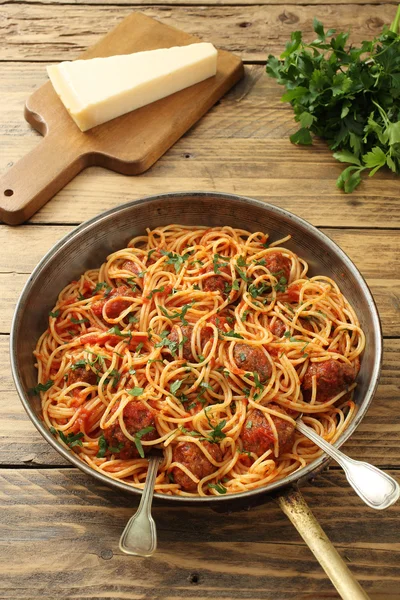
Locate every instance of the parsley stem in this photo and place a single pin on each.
(395, 25)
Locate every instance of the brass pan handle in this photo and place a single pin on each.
(295, 508)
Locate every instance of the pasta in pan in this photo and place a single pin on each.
(207, 343)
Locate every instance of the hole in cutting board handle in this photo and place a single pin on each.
(8, 192)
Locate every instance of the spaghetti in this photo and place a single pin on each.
(207, 343)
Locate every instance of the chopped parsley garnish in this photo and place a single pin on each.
(241, 261)
(219, 265)
(176, 259)
(171, 477)
(55, 314)
(218, 487)
(102, 447)
(139, 347)
(116, 331)
(136, 391)
(114, 376)
(261, 263)
(150, 252)
(233, 334)
(155, 291)
(244, 452)
(206, 385)
(80, 364)
(141, 274)
(190, 432)
(256, 291)
(244, 315)
(176, 314)
(249, 424)
(133, 319)
(81, 297)
(201, 358)
(216, 434)
(78, 321)
(176, 385)
(281, 285)
(258, 384)
(132, 284)
(235, 285)
(138, 436)
(288, 335)
(41, 387)
(102, 285)
(72, 439)
(196, 287)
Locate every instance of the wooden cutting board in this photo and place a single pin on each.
(129, 144)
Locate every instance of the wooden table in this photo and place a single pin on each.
(60, 529)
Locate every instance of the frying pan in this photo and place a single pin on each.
(89, 244)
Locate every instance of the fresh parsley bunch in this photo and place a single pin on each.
(350, 96)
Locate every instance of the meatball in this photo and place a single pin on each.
(192, 458)
(252, 359)
(136, 417)
(258, 437)
(115, 308)
(332, 377)
(215, 283)
(278, 264)
(278, 328)
(82, 375)
(187, 331)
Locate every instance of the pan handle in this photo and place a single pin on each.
(296, 509)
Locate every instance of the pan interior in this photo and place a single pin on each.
(89, 245)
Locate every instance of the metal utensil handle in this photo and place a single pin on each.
(378, 489)
(295, 508)
(139, 537)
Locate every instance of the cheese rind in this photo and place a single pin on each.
(100, 89)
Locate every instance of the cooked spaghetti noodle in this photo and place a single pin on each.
(207, 343)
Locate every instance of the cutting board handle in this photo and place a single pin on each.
(37, 177)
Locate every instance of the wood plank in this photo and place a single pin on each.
(227, 3)
(377, 439)
(240, 146)
(24, 246)
(62, 32)
(65, 531)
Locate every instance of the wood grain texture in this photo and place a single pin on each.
(225, 3)
(240, 146)
(59, 529)
(60, 32)
(73, 526)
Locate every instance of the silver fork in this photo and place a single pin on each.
(378, 489)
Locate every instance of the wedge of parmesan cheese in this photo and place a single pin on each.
(100, 89)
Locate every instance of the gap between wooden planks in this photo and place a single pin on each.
(254, 554)
(61, 32)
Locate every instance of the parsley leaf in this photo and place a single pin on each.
(176, 259)
(138, 436)
(136, 391)
(218, 487)
(176, 385)
(41, 387)
(55, 314)
(176, 314)
(216, 435)
(72, 439)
